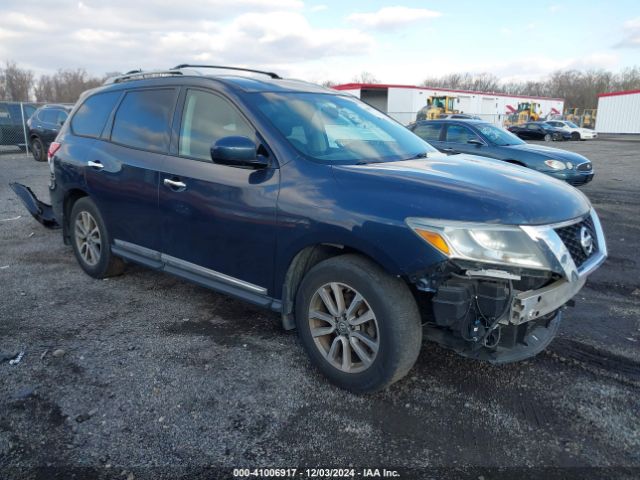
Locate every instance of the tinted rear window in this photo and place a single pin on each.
(91, 117)
(142, 120)
(48, 115)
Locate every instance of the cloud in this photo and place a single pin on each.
(318, 8)
(100, 37)
(631, 34)
(391, 18)
(555, 8)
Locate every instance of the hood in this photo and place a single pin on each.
(464, 188)
(550, 152)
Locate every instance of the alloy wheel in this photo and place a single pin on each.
(344, 327)
(88, 239)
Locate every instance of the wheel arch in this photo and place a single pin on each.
(70, 198)
(303, 261)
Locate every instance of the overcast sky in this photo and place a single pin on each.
(398, 42)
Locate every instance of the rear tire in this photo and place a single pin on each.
(547, 137)
(372, 337)
(91, 241)
(37, 150)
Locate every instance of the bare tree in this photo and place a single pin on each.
(485, 82)
(15, 83)
(65, 86)
(328, 83)
(579, 89)
(365, 77)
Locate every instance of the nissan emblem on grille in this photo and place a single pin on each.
(586, 241)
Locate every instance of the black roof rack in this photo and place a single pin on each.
(139, 74)
(220, 67)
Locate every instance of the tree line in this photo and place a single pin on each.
(579, 88)
(64, 86)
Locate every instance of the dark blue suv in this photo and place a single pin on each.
(315, 205)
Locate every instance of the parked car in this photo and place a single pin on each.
(459, 116)
(577, 133)
(12, 127)
(44, 126)
(539, 131)
(311, 203)
(487, 140)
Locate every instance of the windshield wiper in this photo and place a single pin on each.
(367, 162)
(418, 155)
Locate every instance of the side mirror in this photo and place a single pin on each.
(476, 142)
(237, 152)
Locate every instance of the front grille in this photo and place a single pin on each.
(584, 167)
(571, 237)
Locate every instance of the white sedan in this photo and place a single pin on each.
(577, 133)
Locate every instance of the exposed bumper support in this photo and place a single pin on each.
(532, 304)
(42, 212)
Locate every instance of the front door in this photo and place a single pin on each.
(457, 139)
(218, 221)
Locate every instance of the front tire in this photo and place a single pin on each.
(547, 137)
(359, 325)
(38, 150)
(91, 241)
(575, 136)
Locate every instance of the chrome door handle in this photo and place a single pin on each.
(95, 164)
(174, 183)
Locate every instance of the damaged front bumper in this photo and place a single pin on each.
(525, 313)
(41, 211)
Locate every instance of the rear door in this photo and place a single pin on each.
(218, 221)
(123, 167)
(430, 132)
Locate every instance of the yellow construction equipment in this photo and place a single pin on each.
(436, 106)
(589, 118)
(528, 111)
(572, 115)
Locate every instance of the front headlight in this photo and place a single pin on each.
(481, 242)
(555, 164)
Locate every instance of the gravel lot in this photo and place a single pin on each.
(148, 376)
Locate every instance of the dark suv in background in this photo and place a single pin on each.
(12, 126)
(311, 203)
(44, 125)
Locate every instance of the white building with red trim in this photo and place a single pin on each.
(403, 102)
(619, 112)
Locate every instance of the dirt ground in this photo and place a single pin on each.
(148, 376)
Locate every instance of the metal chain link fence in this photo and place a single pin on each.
(14, 132)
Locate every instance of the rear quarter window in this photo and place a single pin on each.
(92, 115)
(142, 119)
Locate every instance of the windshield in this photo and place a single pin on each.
(571, 124)
(339, 129)
(499, 136)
